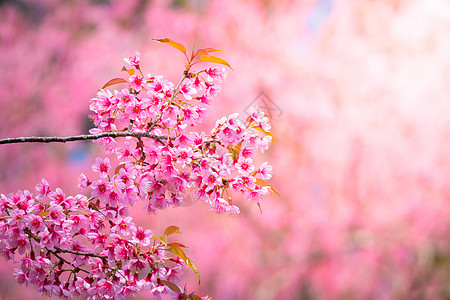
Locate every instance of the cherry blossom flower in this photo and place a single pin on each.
(212, 91)
(124, 226)
(36, 223)
(102, 166)
(188, 89)
(265, 170)
(136, 82)
(217, 74)
(245, 165)
(101, 189)
(124, 97)
(134, 60)
(185, 155)
(248, 152)
(83, 181)
(199, 84)
(42, 188)
(141, 236)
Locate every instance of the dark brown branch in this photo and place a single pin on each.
(80, 253)
(141, 145)
(66, 261)
(59, 249)
(82, 137)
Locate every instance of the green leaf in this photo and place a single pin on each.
(214, 59)
(172, 43)
(180, 253)
(177, 244)
(193, 296)
(163, 239)
(261, 182)
(171, 230)
(191, 264)
(113, 82)
(171, 286)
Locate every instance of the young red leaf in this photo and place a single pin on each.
(120, 166)
(171, 230)
(172, 43)
(171, 286)
(261, 182)
(180, 245)
(201, 52)
(214, 59)
(259, 205)
(44, 213)
(265, 132)
(205, 51)
(113, 82)
(193, 296)
(211, 50)
(131, 71)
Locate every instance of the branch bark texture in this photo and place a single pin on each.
(82, 137)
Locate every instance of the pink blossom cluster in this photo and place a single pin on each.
(88, 245)
(162, 168)
(75, 245)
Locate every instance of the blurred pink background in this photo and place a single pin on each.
(359, 97)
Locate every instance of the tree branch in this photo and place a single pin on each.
(80, 253)
(65, 260)
(83, 137)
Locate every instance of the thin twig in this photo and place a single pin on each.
(82, 137)
(174, 93)
(59, 249)
(65, 260)
(176, 90)
(141, 145)
(81, 253)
